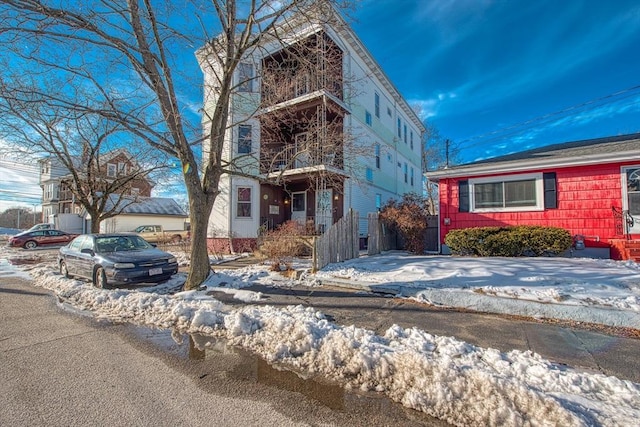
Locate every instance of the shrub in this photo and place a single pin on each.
(527, 240)
(409, 218)
(281, 245)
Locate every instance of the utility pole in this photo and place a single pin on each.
(446, 153)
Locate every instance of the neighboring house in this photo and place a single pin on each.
(145, 211)
(590, 188)
(55, 180)
(319, 139)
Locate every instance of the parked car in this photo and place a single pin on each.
(42, 226)
(115, 259)
(157, 234)
(33, 239)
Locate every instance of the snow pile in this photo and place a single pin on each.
(442, 376)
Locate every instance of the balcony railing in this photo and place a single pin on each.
(291, 157)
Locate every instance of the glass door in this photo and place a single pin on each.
(631, 200)
(299, 207)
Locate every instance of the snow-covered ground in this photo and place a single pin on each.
(582, 289)
(442, 376)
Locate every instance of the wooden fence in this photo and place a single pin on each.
(340, 243)
(380, 237)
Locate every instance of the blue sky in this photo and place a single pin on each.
(493, 76)
(479, 67)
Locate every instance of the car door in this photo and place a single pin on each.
(55, 237)
(86, 260)
(71, 256)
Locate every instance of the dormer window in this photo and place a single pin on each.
(111, 170)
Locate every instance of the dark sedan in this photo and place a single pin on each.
(33, 239)
(115, 259)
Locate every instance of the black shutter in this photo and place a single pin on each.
(550, 190)
(463, 196)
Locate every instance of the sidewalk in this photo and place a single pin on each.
(560, 342)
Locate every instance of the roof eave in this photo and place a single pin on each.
(527, 165)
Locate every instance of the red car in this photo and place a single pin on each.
(32, 239)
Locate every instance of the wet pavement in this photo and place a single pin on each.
(609, 352)
(212, 361)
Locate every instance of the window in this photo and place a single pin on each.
(378, 201)
(244, 202)
(517, 193)
(111, 170)
(412, 176)
(245, 77)
(377, 104)
(389, 112)
(244, 139)
(405, 133)
(367, 117)
(369, 173)
(399, 128)
(377, 151)
(411, 140)
(122, 168)
(406, 173)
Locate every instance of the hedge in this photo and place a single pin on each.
(524, 240)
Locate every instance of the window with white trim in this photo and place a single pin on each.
(111, 170)
(244, 202)
(369, 174)
(367, 118)
(507, 193)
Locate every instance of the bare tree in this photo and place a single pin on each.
(80, 143)
(90, 43)
(17, 217)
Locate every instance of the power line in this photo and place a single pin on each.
(511, 130)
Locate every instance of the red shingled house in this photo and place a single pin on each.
(591, 188)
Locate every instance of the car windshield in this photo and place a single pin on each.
(120, 243)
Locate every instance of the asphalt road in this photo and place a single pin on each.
(64, 369)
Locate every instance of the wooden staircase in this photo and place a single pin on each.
(625, 250)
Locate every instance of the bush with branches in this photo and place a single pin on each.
(409, 218)
(524, 240)
(281, 245)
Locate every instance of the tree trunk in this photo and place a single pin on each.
(200, 209)
(95, 221)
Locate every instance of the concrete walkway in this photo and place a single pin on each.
(607, 351)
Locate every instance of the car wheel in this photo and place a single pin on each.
(64, 270)
(30, 245)
(100, 278)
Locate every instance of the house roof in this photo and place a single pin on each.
(150, 206)
(611, 149)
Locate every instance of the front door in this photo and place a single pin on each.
(631, 200)
(299, 207)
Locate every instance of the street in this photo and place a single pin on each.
(61, 368)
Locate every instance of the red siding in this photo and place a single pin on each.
(585, 197)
